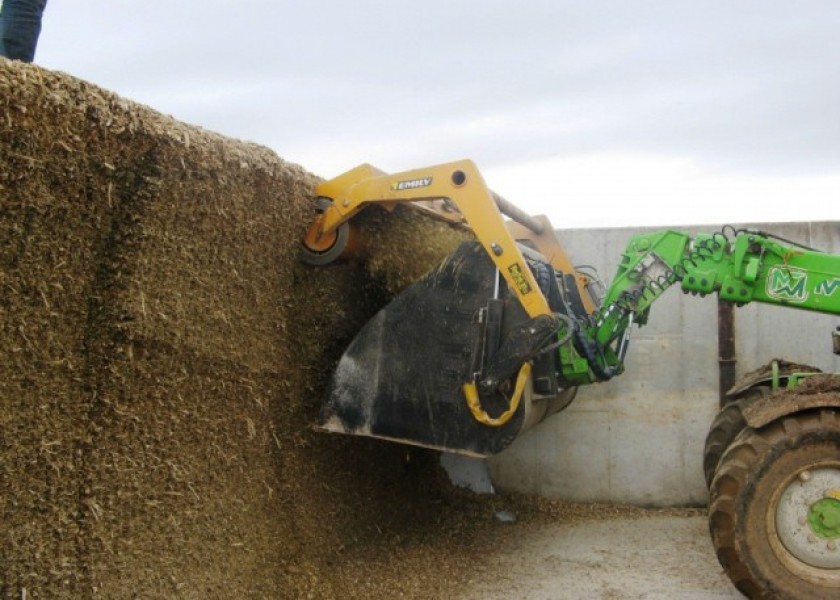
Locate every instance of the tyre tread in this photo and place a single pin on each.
(736, 473)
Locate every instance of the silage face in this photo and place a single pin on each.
(164, 357)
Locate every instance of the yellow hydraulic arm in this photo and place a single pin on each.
(478, 208)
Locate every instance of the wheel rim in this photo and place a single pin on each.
(807, 522)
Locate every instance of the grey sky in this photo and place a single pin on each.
(746, 88)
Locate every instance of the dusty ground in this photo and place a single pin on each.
(645, 556)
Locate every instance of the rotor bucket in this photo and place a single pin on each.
(401, 378)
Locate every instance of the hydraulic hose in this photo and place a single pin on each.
(480, 415)
(590, 352)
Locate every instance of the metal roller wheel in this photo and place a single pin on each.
(774, 510)
(325, 249)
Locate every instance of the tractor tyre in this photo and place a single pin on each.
(774, 511)
(726, 426)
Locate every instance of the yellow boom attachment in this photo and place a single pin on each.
(436, 190)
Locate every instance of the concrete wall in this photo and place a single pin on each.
(639, 438)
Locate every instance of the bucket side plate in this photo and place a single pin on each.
(401, 377)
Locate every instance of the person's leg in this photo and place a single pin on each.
(2, 28)
(20, 26)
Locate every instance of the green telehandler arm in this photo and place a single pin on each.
(745, 266)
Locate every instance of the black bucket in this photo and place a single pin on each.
(401, 378)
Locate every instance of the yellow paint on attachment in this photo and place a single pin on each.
(480, 415)
(463, 185)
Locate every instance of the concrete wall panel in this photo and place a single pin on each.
(639, 438)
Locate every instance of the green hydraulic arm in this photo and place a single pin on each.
(743, 266)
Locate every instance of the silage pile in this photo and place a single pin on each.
(163, 356)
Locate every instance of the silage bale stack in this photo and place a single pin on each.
(163, 357)
(145, 268)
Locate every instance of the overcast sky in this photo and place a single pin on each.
(596, 113)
